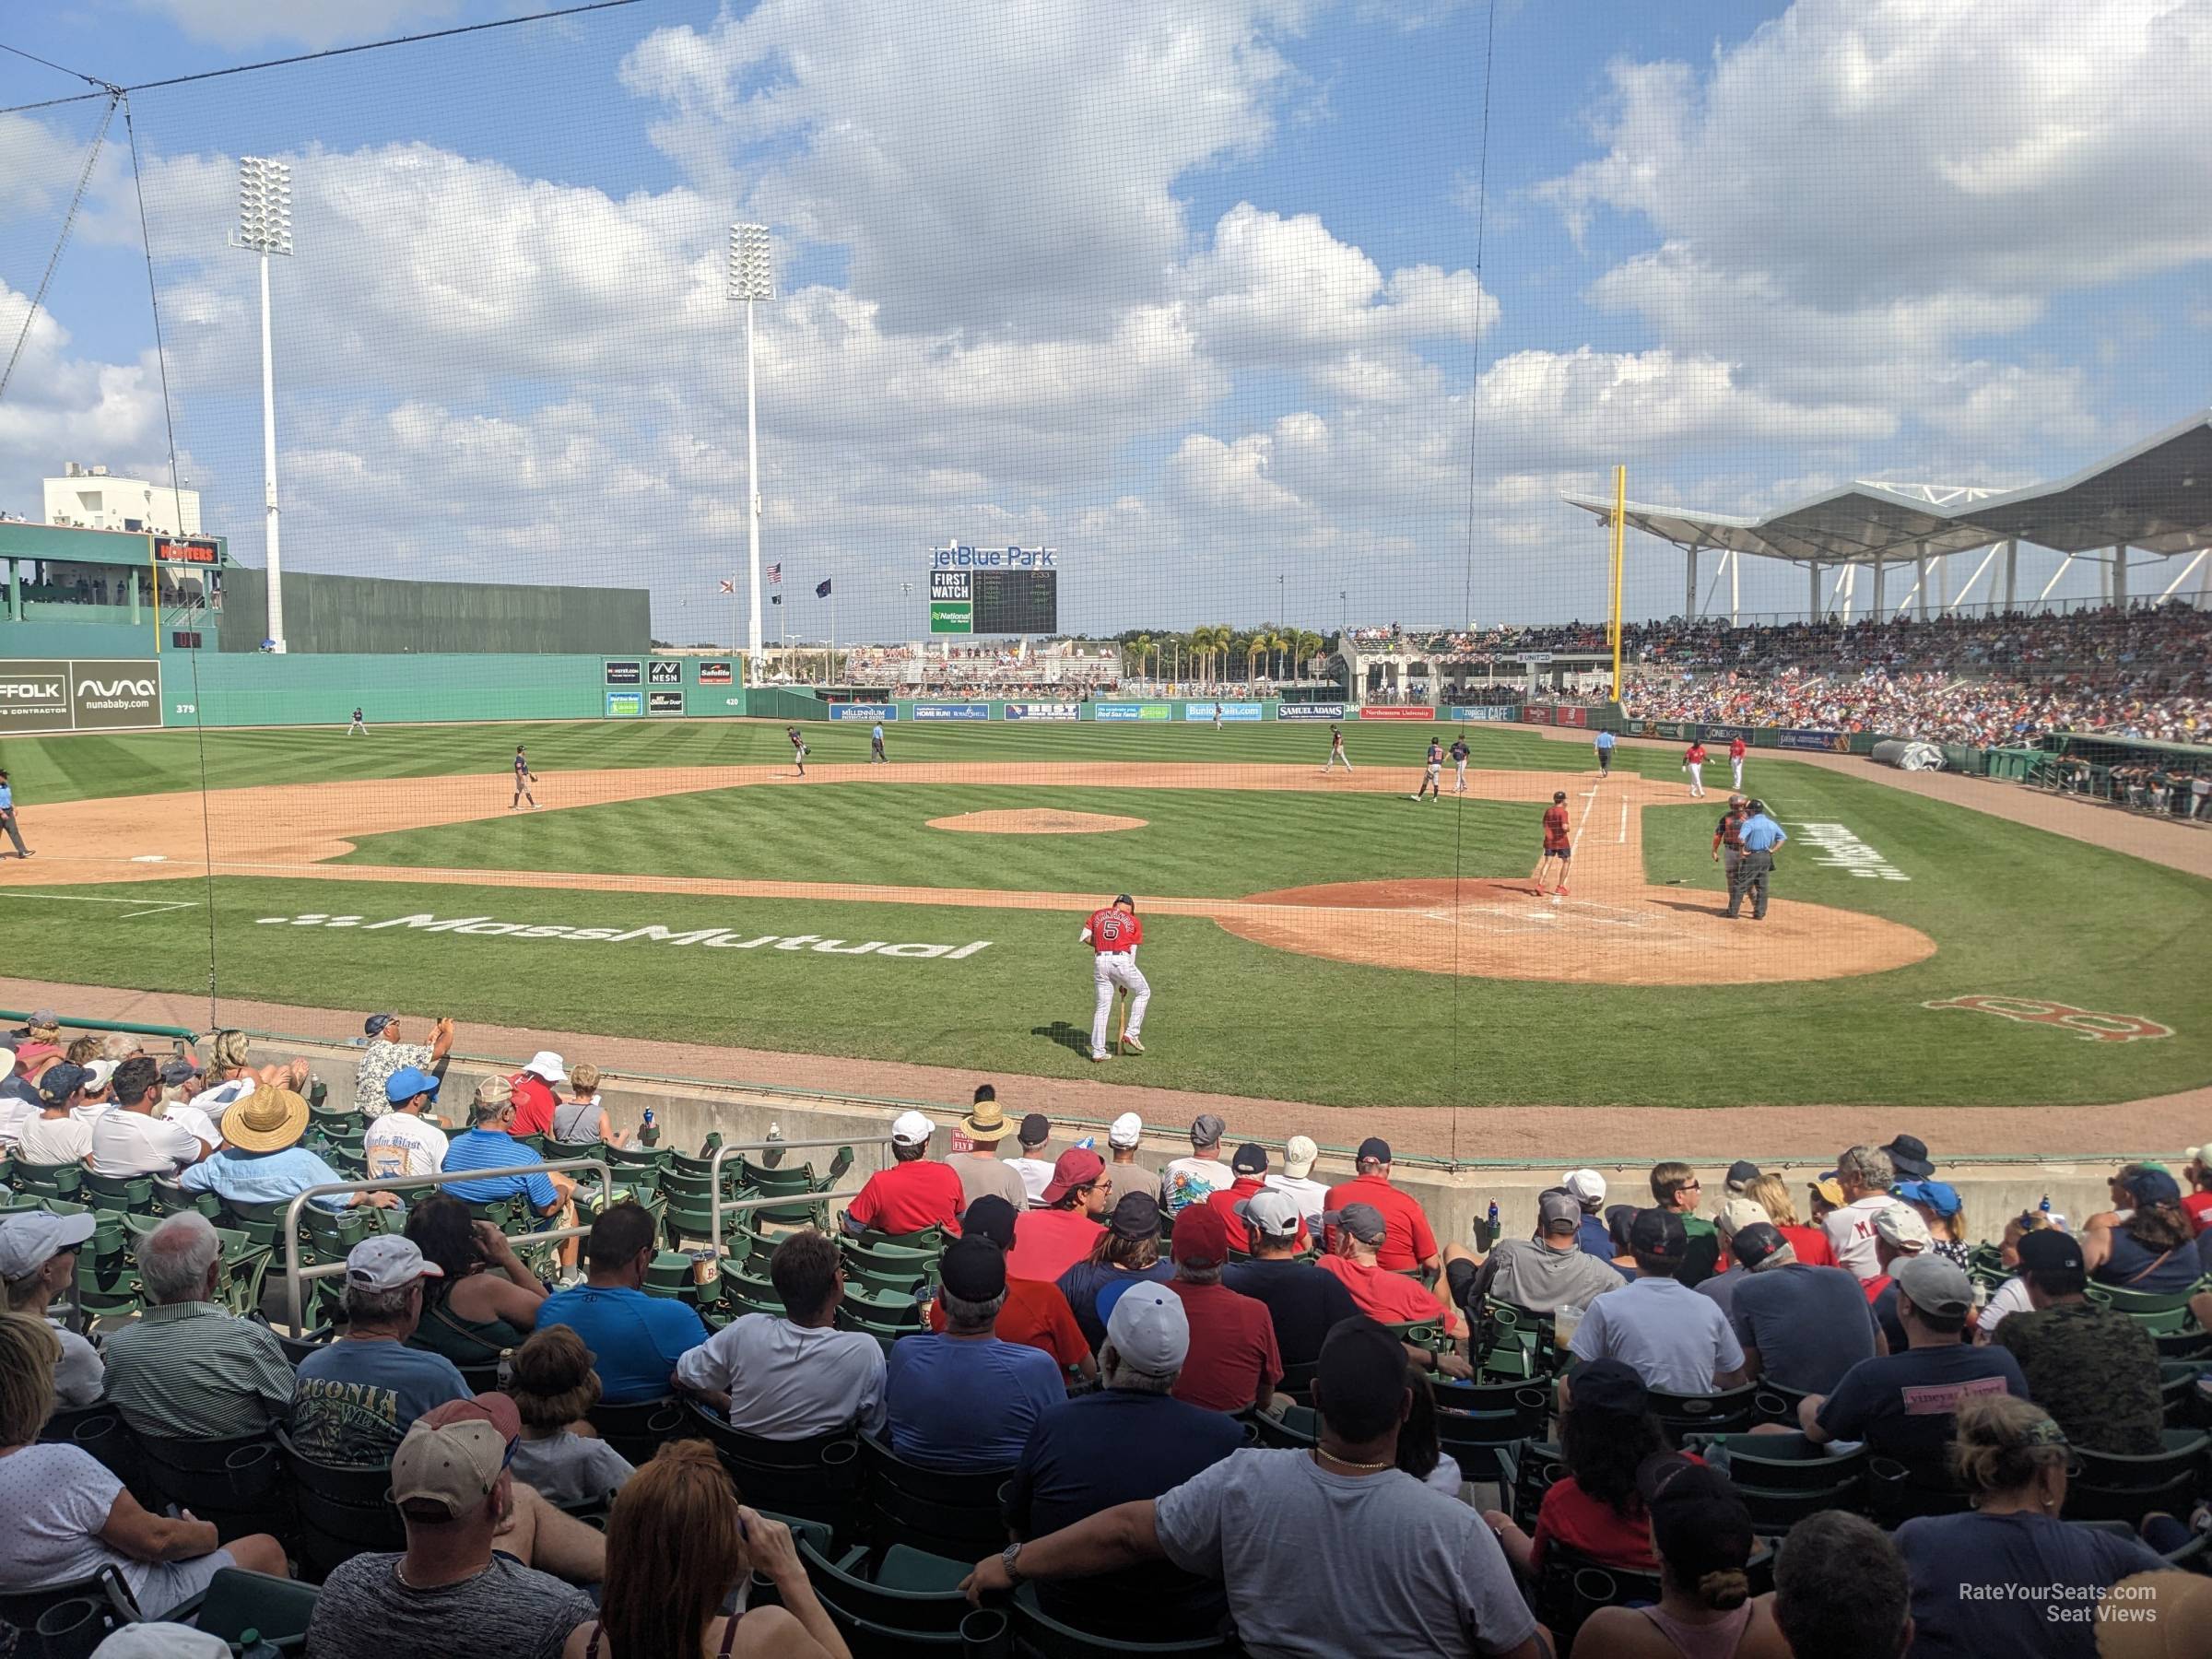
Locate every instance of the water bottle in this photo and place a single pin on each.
(2045, 1207)
(774, 1155)
(251, 1646)
(649, 1134)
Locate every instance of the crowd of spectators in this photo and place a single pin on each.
(1104, 1341)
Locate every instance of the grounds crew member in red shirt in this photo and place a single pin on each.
(1409, 1242)
(1250, 1167)
(1557, 841)
(1728, 840)
(1113, 934)
(914, 1194)
(1233, 1362)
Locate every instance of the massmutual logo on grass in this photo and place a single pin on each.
(713, 938)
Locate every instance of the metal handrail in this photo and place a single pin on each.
(294, 1273)
(715, 1172)
(130, 1025)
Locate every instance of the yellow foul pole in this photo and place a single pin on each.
(1621, 513)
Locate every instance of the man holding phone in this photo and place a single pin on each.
(389, 1051)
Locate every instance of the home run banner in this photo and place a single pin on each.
(952, 710)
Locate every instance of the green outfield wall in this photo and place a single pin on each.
(330, 615)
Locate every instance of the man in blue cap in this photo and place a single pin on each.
(1760, 835)
(406, 1140)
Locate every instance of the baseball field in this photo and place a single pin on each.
(1307, 937)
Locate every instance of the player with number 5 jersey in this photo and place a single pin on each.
(1113, 934)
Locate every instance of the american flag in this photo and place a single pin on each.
(775, 572)
(729, 587)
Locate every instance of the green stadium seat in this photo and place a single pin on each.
(1039, 1636)
(2114, 1488)
(237, 1601)
(954, 1513)
(47, 1181)
(818, 1479)
(131, 1193)
(1728, 1412)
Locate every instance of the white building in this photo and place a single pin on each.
(91, 498)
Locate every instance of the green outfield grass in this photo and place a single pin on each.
(84, 765)
(2015, 910)
(1194, 843)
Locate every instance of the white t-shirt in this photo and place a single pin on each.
(1188, 1181)
(788, 1382)
(1674, 1338)
(56, 1499)
(2011, 1297)
(197, 1122)
(130, 1143)
(14, 1114)
(1850, 1234)
(399, 1143)
(81, 1376)
(1036, 1175)
(1404, 1570)
(44, 1140)
(1313, 1195)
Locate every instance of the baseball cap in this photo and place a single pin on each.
(1299, 1153)
(2050, 1250)
(62, 1081)
(1828, 1188)
(1206, 1130)
(1363, 1221)
(43, 1017)
(98, 1074)
(31, 1239)
(377, 1023)
(1741, 1174)
(990, 1217)
(1611, 1386)
(1909, 1154)
(1659, 1234)
(1376, 1147)
(1150, 1330)
(1201, 1236)
(1125, 898)
(2149, 1185)
(1360, 1373)
(1938, 1195)
(1251, 1158)
(1761, 1245)
(176, 1073)
(1126, 1131)
(1073, 1168)
(1739, 1213)
(546, 1065)
(912, 1129)
(162, 1642)
(454, 1455)
(1036, 1129)
(1901, 1228)
(1135, 1216)
(973, 1269)
(1936, 1286)
(1558, 1210)
(407, 1082)
(388, 1263)
(1587, 1186)
(1274, 1214)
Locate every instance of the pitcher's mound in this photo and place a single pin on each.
(1615, 934)
(1040, 820)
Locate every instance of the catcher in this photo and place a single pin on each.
(1113, 934)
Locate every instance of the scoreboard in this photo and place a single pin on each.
(995, 599)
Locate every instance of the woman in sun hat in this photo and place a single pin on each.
(261, 1161)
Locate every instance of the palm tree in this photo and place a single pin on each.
(1218, 636)
(1262, 642)
(1141, 646)
(1307, 646)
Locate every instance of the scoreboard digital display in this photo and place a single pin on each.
(1016, 601)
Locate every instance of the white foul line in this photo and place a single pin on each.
(78, 899)
(1623, 836)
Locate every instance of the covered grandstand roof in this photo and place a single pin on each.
(2156, 495)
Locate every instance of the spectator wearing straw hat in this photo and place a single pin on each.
(262, 1161)
(357, 1397)
(913, 1192)
(1296, 1178)
(982, 1171)
(37, 1262)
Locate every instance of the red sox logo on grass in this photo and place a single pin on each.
(2081, 1022)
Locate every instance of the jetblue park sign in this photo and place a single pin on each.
(707, 939)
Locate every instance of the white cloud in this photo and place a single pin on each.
(60, 406)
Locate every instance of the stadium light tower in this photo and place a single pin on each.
(752, 279)
(265, 227)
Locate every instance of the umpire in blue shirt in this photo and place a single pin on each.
(1761, 835)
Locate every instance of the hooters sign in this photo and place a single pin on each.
(2081, 1022)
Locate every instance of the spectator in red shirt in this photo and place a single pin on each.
(1389, 1298)
(534, 1101)
(1061, 1233)
(1035, 1314)
(2198, 1206)
(1605, 1431)
(1233, 1362)
(915, 1193)
(1809, 1244)
(1409, 1244)
(1250, 1168)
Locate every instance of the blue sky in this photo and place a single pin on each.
(1183, 287)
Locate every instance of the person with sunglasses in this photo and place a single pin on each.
(1675, 1187)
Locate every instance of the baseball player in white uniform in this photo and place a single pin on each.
(1113, 934)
